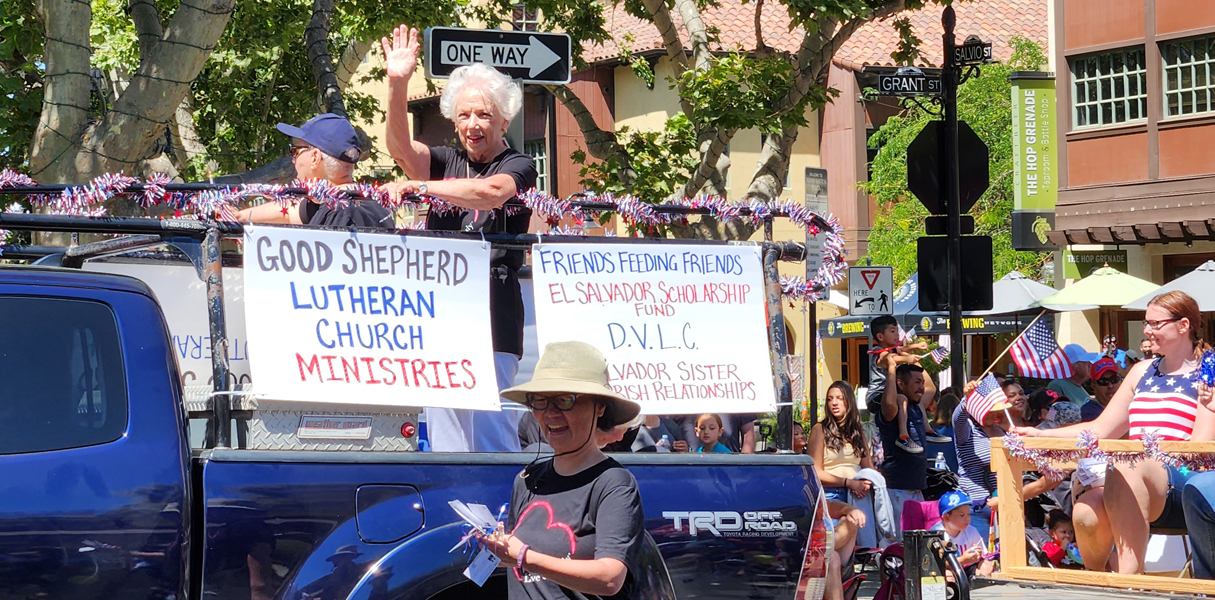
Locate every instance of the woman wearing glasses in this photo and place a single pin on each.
(575, 523)
(1159, 397)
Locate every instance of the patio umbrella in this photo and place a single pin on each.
(1016, 293)
(1105, 287)
(1199, 284)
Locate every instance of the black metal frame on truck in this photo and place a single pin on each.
(199, 242)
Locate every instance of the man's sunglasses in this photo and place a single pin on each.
(296, 151)
(562, 402)
(1107, 381)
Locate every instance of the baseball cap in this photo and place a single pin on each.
(1076, 353)
(952, 500)
(1103, 366)
(332, 134)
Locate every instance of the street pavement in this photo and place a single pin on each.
(1001, 590)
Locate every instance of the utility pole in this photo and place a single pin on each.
(950, 78)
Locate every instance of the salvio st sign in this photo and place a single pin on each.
(909, 81)
(526, 55)
(973, 51)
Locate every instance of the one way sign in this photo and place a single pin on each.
(527, 55)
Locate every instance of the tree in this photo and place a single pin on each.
(190, 87)
(720, 94)
(985, 103)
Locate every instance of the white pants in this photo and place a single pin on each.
(462, 430)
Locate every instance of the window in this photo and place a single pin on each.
(62, 380)
(539, 153)
(525, 19)
(1187, 76)
(1109, 88)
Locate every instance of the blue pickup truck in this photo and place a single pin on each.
(102, 496)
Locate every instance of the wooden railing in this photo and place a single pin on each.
(1011, 510)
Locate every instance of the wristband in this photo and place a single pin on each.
(522, 553)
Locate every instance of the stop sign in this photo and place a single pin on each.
(925, 177)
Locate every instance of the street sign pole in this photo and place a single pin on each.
(950, 77)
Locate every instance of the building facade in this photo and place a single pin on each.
(1136, 113)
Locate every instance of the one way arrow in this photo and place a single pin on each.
(535, 57)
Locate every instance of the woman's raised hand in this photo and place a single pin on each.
(401, 52)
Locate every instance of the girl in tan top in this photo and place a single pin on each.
(838, 446)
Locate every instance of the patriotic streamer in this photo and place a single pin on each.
(1087, 446)
(222, 203)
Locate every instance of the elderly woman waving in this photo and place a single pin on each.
(479, 178)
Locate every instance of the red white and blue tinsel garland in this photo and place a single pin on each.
(221, 204)
(1087, 446)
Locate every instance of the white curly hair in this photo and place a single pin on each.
(503, 92)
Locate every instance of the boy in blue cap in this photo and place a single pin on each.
(326, 147)
(955, 522)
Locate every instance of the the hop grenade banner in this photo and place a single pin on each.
(682, 326)
(371, 319)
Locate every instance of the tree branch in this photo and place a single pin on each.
(711, 148)
(599, 143)
(769, 179)
(316, 36)
(65, 104)
(817, 49)
(137, 120)
(348, 64)
(147, 25)
(661, 16)
(698, 36)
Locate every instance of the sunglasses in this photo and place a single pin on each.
(296, 151)
(562, 402)
(1107, 381)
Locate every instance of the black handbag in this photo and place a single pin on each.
(940, 481)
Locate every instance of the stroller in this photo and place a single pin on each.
(916, 515)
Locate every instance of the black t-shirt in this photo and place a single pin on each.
(902, 470)
(365, 213)
(505, 297)
(589, 515)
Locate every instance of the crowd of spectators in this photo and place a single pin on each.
(1100, 517)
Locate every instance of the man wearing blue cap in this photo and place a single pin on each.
(326, 147)
(1073, 387)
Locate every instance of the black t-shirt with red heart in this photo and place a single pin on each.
(589, 515)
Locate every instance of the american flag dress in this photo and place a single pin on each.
(1164, 404)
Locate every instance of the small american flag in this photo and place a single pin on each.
(1037, 354)
(906, 336)
(938, 355)
(985, 396)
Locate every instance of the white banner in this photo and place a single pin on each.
(683, 327)
(372, 319)
(183, 298)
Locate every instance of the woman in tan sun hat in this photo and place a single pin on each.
(575, 524)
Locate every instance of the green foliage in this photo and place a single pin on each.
(985, 103)
(258, 75)
(734, 92)
(663, 161)
(20, 82)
